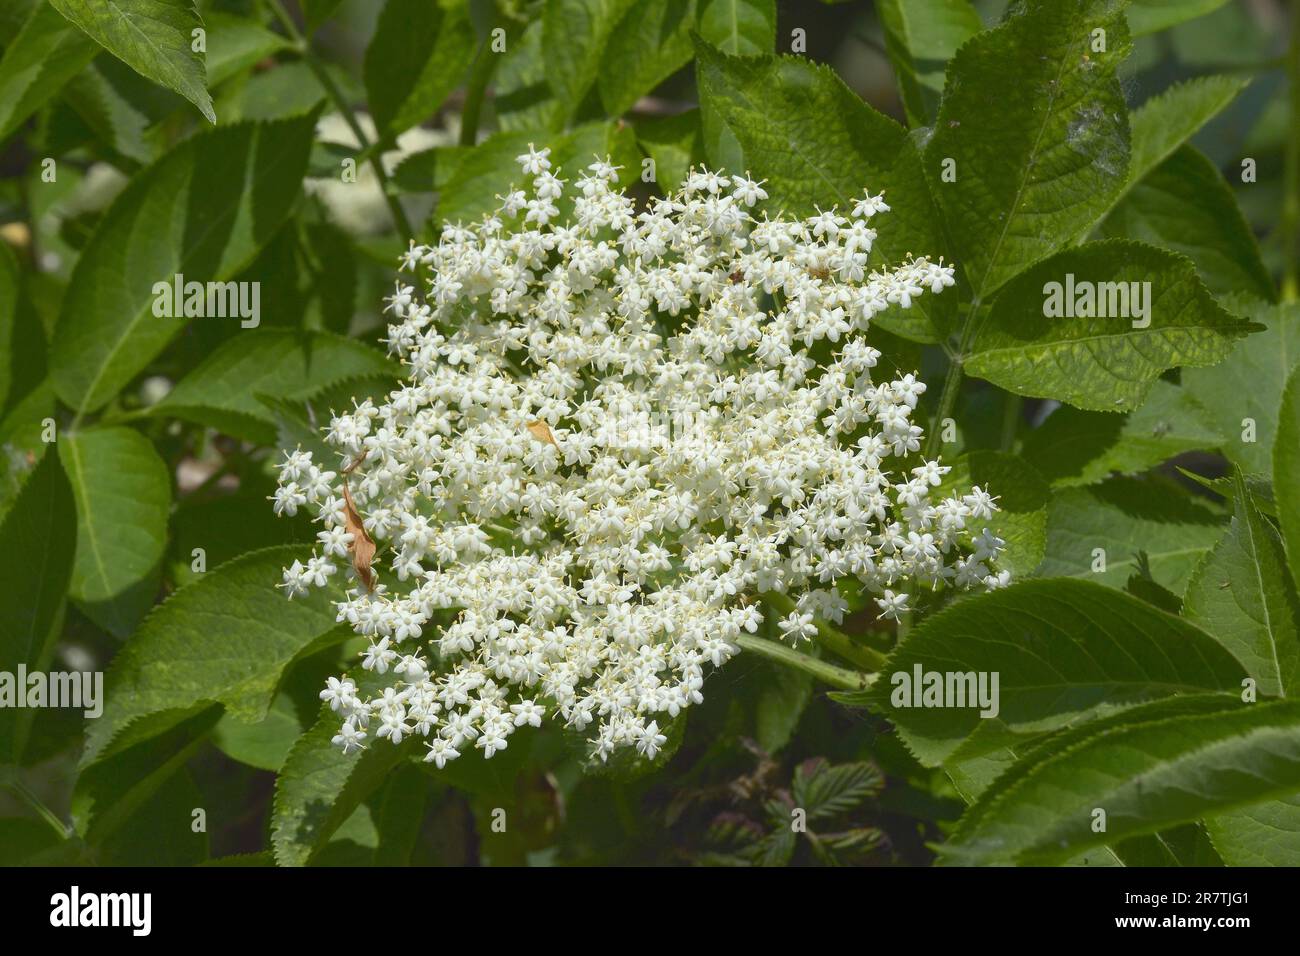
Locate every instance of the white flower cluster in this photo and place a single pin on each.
(620, 428)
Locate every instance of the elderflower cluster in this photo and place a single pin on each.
(620, 428)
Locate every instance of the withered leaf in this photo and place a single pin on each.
(363, 546)
(542, 432)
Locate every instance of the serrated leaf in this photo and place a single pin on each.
(1147, 774)
(1074, 447)
(46, 54)
(417, 56)
(1126, 518)
(1035, 121)
(263, 745)
(738, 27)
(1286, 471)
(824, 791)
(153, 37)
(203, 211)
(318, 788)
(1241, 395)
(817, 145)
(237, 43)
(1242, 593)
(1184, 205)
(1022, 495)
(1064, 651)
(226, 638)
(39, 532)
(1043, 338)
(1263, 834)
(123, 493)
(651, 42)
(1164, 122)
(278, 363)
(920, 38)
(675, 143)
(781, 694)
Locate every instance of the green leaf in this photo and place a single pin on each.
(203, 211)
(1263, 834)
(1185, 205)
(574, 35)
(1242, 593)
(153, 37)
(318, 788)
(1123, 518)
(1164, 122)
(738, 27)
(1151, 16)
(1074, 447)
(1286, 471)
(1036, 124)
(1064, 651)
(38, 531)
(1241, 395)
(318, 11)
(9, 287)
(920, 38)
(278, 363)
(781, 694)
(1146, 773)
(226, 638)
(816, 144)
(418, 55)
(651, 42)
(123, 493)
(236, 44)
(46, 53)
(265, 744)
(674, 143)
(1031, 344)
(1022, 496)
(824, 791)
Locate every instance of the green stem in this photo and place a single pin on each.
(345, 110)
(1290, 224)
(835, 641)
(485, 63)
(947, 402)
(24, 793)
(839, 677)
(1011, 409)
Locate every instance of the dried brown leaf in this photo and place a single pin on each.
(542, 432)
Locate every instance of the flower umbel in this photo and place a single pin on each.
(620, 428)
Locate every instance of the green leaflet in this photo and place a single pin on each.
(226, 638)
(236, 44)
(651, 42)
(1185, 205)
(738, 27)
(1263, 834)
(203, 211)
(1033, 133)
(1152, 16)
(1099, 532)
(1074, 447)
(318, 788)
(1064, 651)
(675, 143)
(123, 494)
(1095, 326)
(574, 35)
(39, 532)
(920, 38)
(1286, 471)
(153, 37)
(1147, 772)
(418, 55)
(45, 54)
(1022, 496)
(1242, 593)
(1240, 396)
(279, 363)
(9, 285)
(797, 126)
(1163, 123)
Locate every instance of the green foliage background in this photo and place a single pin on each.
(1148, 655)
